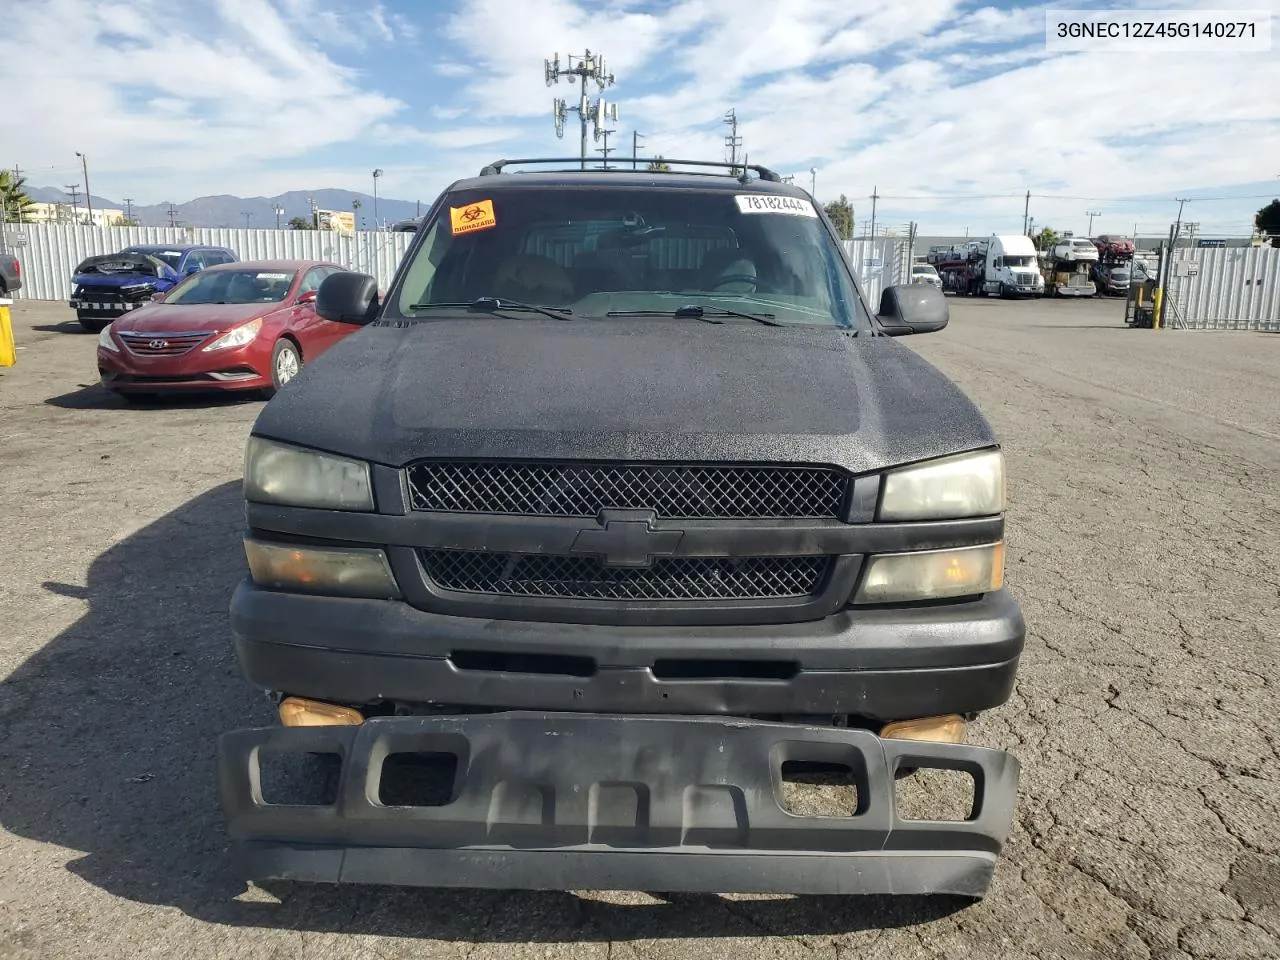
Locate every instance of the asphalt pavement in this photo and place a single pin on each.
(1143, 521)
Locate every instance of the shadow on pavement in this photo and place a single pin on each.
(65, 326)
(93, 396)
(107, 739)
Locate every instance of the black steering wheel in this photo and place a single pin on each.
(728, 278)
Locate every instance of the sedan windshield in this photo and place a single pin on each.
(171, 257)
(596, 251)
(233, 286)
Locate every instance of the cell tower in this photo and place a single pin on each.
(588, 67)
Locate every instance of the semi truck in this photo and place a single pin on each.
(1000, 265)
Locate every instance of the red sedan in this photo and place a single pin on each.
(234, 326)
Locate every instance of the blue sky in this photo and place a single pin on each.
(951, 110)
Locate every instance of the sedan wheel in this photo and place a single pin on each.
(285, 364)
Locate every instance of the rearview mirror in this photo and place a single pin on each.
(348, 297)
(908, 308)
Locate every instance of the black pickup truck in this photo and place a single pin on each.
(622, 514)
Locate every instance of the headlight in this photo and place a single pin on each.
(237, 337)
(950, 488)
(341, 571)
(932, 574)
(279, 473)
(105, 341)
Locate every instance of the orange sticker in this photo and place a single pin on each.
(474, 216)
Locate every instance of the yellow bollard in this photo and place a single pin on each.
(1156, 299)
(8, 353)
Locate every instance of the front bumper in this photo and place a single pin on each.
(582, 801)
(236, 369)
(886, 664)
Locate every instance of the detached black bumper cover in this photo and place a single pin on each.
(558, 801)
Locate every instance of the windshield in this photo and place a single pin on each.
(232, 286)
(1017, 261)
(602, 250)
(924, 269)
(171, 257)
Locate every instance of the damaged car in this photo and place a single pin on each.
(621, 521)
(107, 286)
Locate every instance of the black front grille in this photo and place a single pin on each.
(582, 490)
(586, 578)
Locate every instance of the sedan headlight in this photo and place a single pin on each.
(238, 336)
(950, 488)
(105, 340)
(291, 476)
(932, 574)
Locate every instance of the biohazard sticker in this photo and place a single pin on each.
(472, 217)
(767, 203)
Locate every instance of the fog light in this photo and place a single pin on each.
(950, 728)
(337, 571)
(299, 712)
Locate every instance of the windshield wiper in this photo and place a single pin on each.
(698, 312)
(494, 304)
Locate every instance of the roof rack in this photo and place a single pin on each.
(764, 173)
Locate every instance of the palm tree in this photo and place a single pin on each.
(16, 204)
(658, 165)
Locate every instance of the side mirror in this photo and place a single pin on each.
(158, 296)
(308, 297)
(912, 308)
(348, 298)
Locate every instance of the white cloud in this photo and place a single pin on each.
(921, 98)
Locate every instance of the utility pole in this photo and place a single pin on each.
(88, 197)
(589, 67)
(606, 149)
(635, 149)
(733, 141)
(376, 174)
(1091, 214)
(813, 182)
(875, 195)
(1026, 213)
(246, 214)
(128, 208)
(1191, 232)
(315, 218)
(173, 215)
(17, 212)
(74, 190)
(279, 213)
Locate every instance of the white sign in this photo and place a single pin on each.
(874, 262)
(768, 203)
(273, 276)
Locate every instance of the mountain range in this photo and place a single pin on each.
(229, 211)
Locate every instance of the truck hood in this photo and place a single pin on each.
(652, 389)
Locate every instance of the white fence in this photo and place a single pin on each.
(49, 252)
(879, 263)
(1216, 288)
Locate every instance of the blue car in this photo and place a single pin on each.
(104, 287)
